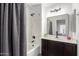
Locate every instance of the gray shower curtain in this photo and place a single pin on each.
(12, 29)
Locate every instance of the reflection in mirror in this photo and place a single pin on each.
(50, 28)
(61, 27)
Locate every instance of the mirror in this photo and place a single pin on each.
(58, 24)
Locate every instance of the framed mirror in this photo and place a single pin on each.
(58, 24)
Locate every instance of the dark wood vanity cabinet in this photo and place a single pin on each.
(70, 49)
(56, 48)
(44, 47)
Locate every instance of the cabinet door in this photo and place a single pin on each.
(70, 49)
(55, 48)
(44, 47)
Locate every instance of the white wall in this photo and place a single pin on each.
(65, 8)
(43, 19)
(76, 6)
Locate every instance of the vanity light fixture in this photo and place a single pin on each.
(56, 10)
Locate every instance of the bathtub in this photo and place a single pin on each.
(34, 51)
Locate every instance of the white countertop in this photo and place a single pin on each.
(60, 38)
